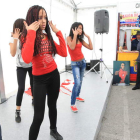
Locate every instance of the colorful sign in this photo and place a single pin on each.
(130, 19)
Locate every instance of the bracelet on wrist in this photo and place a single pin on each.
(15, 38)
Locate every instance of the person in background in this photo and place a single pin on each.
(138, 68)
(135, 42)
(22, 67)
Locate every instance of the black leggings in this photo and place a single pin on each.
(21, 76)
(50, 84)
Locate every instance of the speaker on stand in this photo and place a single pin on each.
(101, 25)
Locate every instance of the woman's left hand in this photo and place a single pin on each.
(53, 27)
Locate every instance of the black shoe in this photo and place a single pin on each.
(55, 134)
(135, 88)
(17, 116)
(33, 102)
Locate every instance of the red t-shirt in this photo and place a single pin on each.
(42, 63)
(76, 54)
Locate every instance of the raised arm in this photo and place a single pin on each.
(61, 49)
(72, 42)
(13, 42)
(13, 47)
(28, 46)
(89, 45)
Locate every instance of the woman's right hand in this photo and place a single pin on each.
(34, 26)
(75, 32)
(17, 33)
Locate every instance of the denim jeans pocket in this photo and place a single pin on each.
(73, 63)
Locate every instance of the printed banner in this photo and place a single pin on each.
(130, 20)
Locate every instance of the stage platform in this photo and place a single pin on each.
(83, 125)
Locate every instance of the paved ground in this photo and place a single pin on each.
(122, 117)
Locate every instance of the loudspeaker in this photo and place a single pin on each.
(93, 63)
(101, 21)
(68, 67)
(87, 66)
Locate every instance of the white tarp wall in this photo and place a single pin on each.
(63, 16)
(10, 10)
(128, 6)
(109, 40)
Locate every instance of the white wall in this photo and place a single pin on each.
(109, 40)
(63, 16)
(129, 6)
(98, 3)
(10, 10)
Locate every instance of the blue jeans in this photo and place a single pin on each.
(78, 69)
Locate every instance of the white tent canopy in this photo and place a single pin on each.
(94, 3)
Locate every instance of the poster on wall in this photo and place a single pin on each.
(121, 73)
(130, 20)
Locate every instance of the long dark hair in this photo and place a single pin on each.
(79, 37)
(32, 16)
(18, 24)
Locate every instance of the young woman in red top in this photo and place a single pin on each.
(78, 63)
(39, 48)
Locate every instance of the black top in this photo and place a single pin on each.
(134, 44)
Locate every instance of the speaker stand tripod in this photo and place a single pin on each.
(65, 67)
(102, 71)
